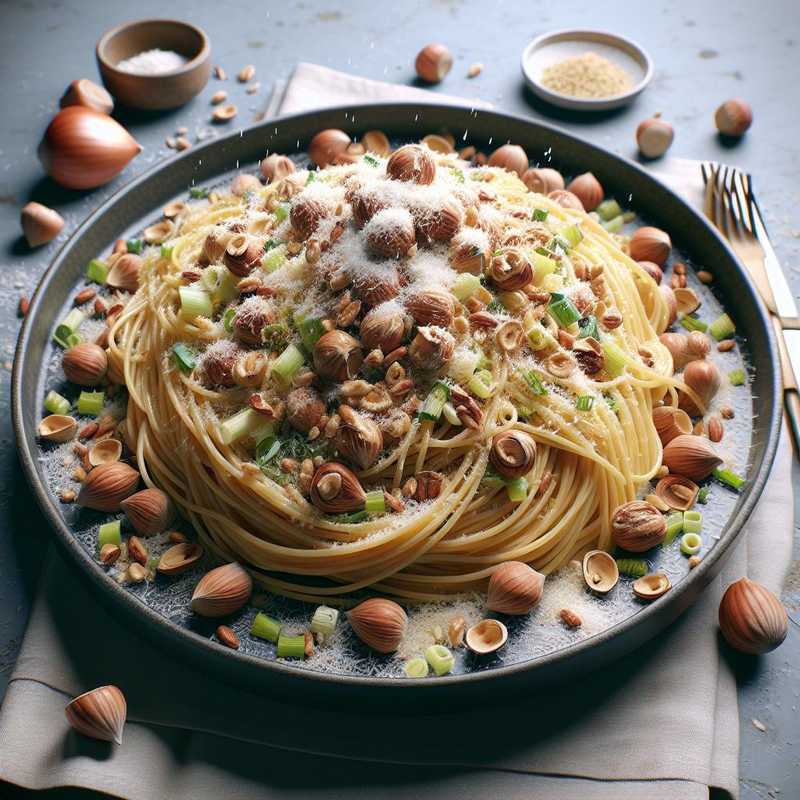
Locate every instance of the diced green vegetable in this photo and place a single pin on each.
(90, 404)
(608, 209)
(691, 544)
(265, 627)
(572, 235)
(198, 192)
(632, 567)
(537, 337)
(68, 326)
(184, 357)
(440, 659)
(243, 423)
(613, 225)
(282, 212)
(614, 359)
(722, 328)
(310, 331)
(611, 402)
(674, 526)
(584, 402)
(312, 176)
(416, 668)
(693, 324)
(135, 246)
(227, 319)
(540, 214)
(737, 377)
(587, 326)
(457, 174)
(275, 336)
(353, 518)
(558, 245)
(97, 271)
(492, 479)
(371, 160)
(692, 522)
(434, 402)
(291, 647)
(729, 478)
(56, 403)
(324, 620)
(535, 383)
(195, 302)
(480, 384)
(543, 266)
(375, 502)
(287, 365)
(73, 339)
(465, 286)
(166, 251)
(517, 489)
(563, 310)
(109, 533)
(267, 448)
(702, 495)
(274, 259)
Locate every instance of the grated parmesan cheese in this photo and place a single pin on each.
(587, 75)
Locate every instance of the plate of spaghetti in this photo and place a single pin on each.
(396, 413)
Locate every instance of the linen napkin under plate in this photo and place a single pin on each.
(661, 723)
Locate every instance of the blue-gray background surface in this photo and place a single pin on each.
(704, 52)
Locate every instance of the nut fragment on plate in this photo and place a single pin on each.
(224, 113)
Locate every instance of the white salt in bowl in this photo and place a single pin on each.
(552, 48)
(162, 90)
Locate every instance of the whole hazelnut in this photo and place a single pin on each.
(433, 62)
(637, 526)
(733, 117)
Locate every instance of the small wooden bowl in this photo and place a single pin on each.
(167, 89)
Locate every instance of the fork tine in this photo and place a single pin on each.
(745, 218)
(752, 205)
(722, 216)
(734, 221)
(708, 197)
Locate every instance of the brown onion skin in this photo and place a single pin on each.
(83, 149)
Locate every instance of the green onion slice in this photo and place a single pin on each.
(184, 357)
(440, 659)
(109, 533)
(291, 647)
(729, 478)
(434, 402)
(722, 328)
(324, 620)
(56, 403)
(97, 271)
(517, 490)
(416, 668)
(265, 627)
(91, 404)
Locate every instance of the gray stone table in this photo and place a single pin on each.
(704, 52)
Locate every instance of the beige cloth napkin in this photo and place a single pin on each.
(661, 724)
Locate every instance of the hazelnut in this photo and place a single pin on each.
(390, 233)
(412, 163)
(358, 438)
(85, 364)
(587, 189)
(336, 490)
(379, 623)
(432, 348)
(513, 453)
(514, 588)
(276, 167)
(510, 157)
(654, 137)
(511, 269)
(327, 145)
(433, 62)
(733, 117)
(241, 255)
(432, 307)
(337, 356)
(637, 526)
(382, 328)
(751, 618)
(306, 215)
(304, 408)
(542, 181)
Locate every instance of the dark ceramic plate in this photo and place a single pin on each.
(139, 201)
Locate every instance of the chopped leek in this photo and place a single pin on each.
(434, 402)
(611, 402)
(265, 627)
(97, 270)
(702, 495)
(587, 326)
(73, 339)
(91, 404)
(244, 423)
(375, 502)
(632, 567)
(226, 288)
(543, 266)
(693, 324)
(537, 337)
(457, 174)
(729, 478)
(109, 533)
(563, 310)
(737, 377)
(608, 209)
(275, 336)
(535, 383)
(324, 620)
(282, 212)
(291, 647)
(135, 246)
(274, 259)
(613, 225)
(310, 331)
(198, 192)
(674, 526)
(416, 668)
(572, 235)
(492, 479)
(68, 326)
(287, 364)
(372, 161)
(195, 302)
(692, 522)
(480, 384)
(540, 214)
(227, 319)
(56, 403)
(691, 544)
(722, 328)
(465, 286)
(440, 659)
(584, 402)
(184, 357)
(613, 358)
(517, 490)
(166, 251)
(267, 448)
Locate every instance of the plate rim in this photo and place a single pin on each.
(195, 645)
(586, 103)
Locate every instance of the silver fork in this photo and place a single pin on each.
(731, 205)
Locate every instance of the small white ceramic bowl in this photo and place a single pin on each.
(550, 48)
